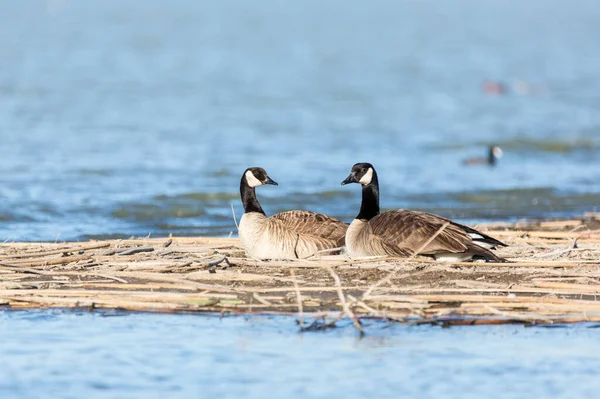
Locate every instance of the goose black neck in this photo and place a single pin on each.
(369, 207)
(491, 157)
(249, 199)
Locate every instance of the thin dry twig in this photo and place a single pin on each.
(298, 299)
(57, 251)
(234, 218)
(345, 306)
(133, 251)
(261, 299)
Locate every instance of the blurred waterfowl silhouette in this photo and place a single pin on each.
(493, 88)
(287, 235)
(494, 154)
(405, 233)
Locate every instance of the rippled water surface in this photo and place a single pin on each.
(92, 355)
(122, 118)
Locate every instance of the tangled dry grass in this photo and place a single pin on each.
(553, 277)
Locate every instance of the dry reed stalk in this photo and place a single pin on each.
(298, 299)
(51, 261)
(548, 307)
(57, 251)
(566, 286)
(111, 277)
(298, 264)
(146, 301)
(546, 234)
(464, 298)
(549, 263)
(133, 251)
(262, 300)
(561, 224)
(375, 312)
(493, 291)
(132, 287)
(234, 218)
(344, 304)
(302, 289)
(182, 240)
(23, 269)
(263, 306)
(170, 278)
(512, 263)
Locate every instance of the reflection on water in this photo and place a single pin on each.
(74, 354)
(123, 119)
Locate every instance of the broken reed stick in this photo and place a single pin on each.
(546, 234)
(585, 288)
(342, 298)
(520, 263)
(262, 300)
(51, 261)
(133, 251)
(298, 299)
(234, 218)
(23, 269)
(375, 312)
(56, 251)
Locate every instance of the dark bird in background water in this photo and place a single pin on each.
(494, 154)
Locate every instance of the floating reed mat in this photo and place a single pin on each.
(552, 277)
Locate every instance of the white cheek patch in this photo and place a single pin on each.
(498, 152)
(252, 180)
(366, 179)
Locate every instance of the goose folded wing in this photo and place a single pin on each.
(477, 236)
(410, 230)
(313, 224)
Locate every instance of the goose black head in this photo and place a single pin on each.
(257, 177)
(361, 173)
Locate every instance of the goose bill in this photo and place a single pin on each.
(349, 179)
(270, 181)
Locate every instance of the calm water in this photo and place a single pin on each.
(75, 355)
(123, 119)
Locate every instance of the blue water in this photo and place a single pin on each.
(121, 118)
(58, 354)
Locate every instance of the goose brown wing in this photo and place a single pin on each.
(409, 230)
(479, 237)
(313, 224)
(476, 236)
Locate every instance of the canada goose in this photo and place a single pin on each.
(494, 154)
(287, 235)
(403, 232)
